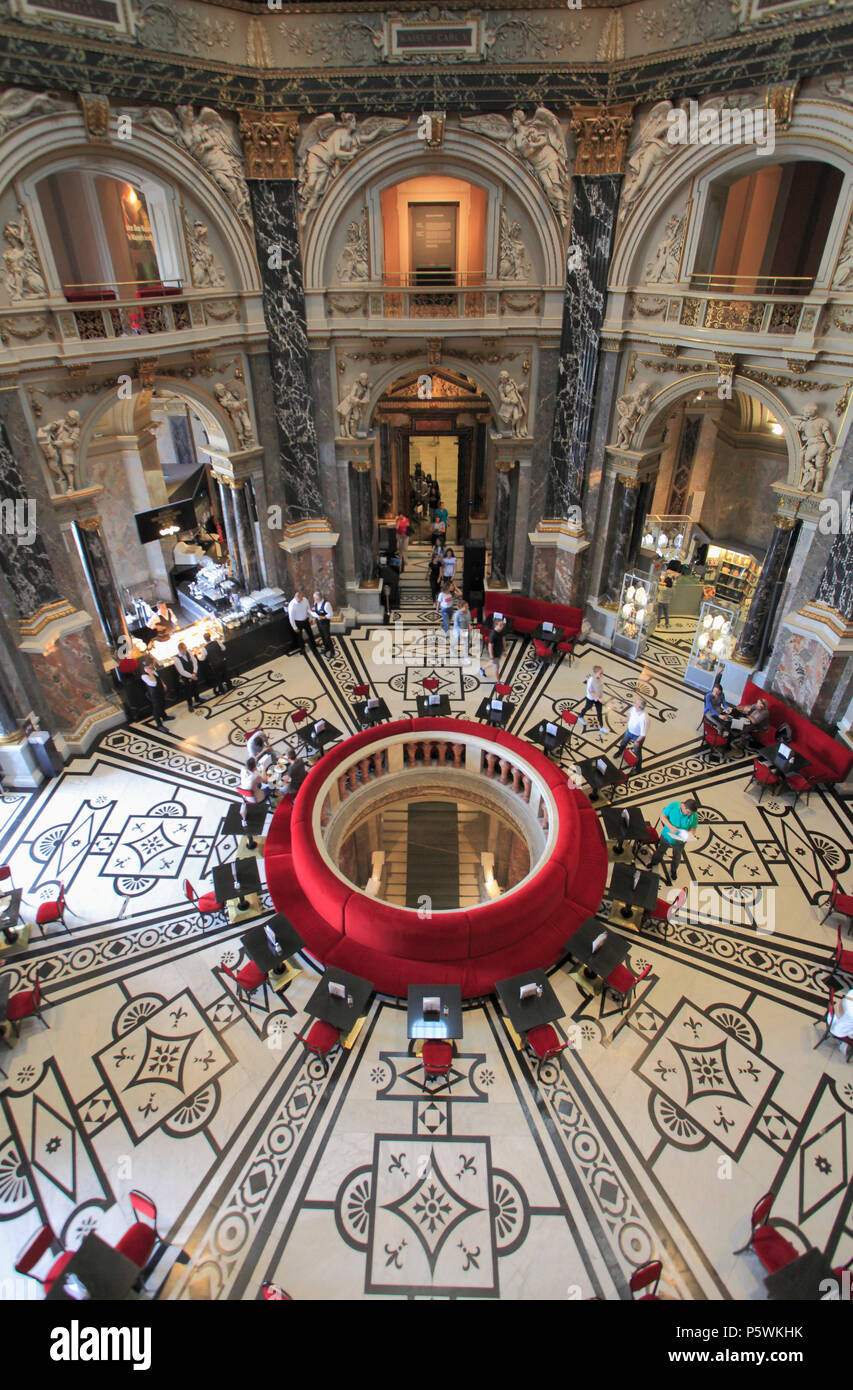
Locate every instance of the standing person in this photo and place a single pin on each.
(439, 528)
(402, 528)
(461, 629)
(678, 818)
(186, 665)
(664, 596)
(497, 646)
(298, 611)
(435, 560)
(217, 663)
(445, 601)
(257, 744)
(156, 692)
(434, 496)
(448, 564)
(593, 698)
(636, 728)
(322, 613)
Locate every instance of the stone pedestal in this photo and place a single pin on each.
(309, 550)
(813, 649)
(557, 551)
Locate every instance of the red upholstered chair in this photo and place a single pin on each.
(567, 648)
(570, 719)
(360, 692)
(641, 1278)
(54, 911)
(140, 1239)
(764, 774)
(274, 1293)
(714, 742)
(249, 980)
(826, 1020)
(299, 717)
(838, 901)
(33, 1251)
(629, 761)
(771, 1247)
(650, 844)
(663, 912)
(801, 784)
(502, 690)
(25, 1004)
(430, 684)
(544, 650)
(437, 1059)
(6, 874)
(321, 1039)
(623, 981)
(206, 905)
(544, 1042)
(842, 961)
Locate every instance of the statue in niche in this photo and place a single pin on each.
(58, 442)
(327, 145)
(816, 439)
(653, 149)
(512, 409)
(352, 263)
(513, 260)
(844, 269)
(664, 264)
(22, 275)
(351, 408)
(631, 408)
(233, 399)
(206, 271)
(210, 141)
(538, 142)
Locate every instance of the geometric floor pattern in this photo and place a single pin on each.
(651, 1136)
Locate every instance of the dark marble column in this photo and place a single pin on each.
(245, 536)
(274, 208)
(501, 527)
(762, 609)
(363, 524)
(595, 203)
(101, 577)
(836, 584)
(621, 543)
(227, 510)
(24, 557)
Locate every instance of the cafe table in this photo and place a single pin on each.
(320, 738)
(536, 1009)
(256, 944)
(596, 778)
(541, 634)
(367, 718)
(634, 887)
(795, 762)
(446, 1023)
(613, 950)
(342, 1014)
(800, 1281)
(427, 711)
(625, 823)
(549, 743)
(103, 1270)
(233, 823)
(239, 880)
(499, 717)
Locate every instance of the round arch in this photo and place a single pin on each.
(650, 432)
(813, 134)
(464, 155)
(415, 367)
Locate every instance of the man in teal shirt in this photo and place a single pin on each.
(677, 816)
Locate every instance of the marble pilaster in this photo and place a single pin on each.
(245, 536)
(363, 522)
(501, 527)
(226, 509)
(762, 609)
(100, 575)
(629, 494)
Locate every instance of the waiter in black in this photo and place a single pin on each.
(322, 613)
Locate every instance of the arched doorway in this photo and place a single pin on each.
(433, 427)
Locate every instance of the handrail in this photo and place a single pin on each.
(760, 284)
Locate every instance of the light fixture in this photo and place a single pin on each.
(132, 196)
(776, 428)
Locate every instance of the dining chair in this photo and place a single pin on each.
(771, 1247)
(206, 905)
(842, 961)
(140, 1239)
(249, 980)
(437, 1059)
(6, 875)
(713, 741)
(642, 1278)
(26, 1004)
(33, 1251)
(650, 843)
(622, 982)
(544, 1042)
(765, 775)
(320, 1040)
(54, 911)
(274, 1293)
(663, 913)
(361, 692)
(839, 902)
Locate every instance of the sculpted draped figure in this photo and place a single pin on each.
(232, 399)
(631, 408)
(58, 442)
(513, 260)
(352, 263)
(538, 142)
(209, 140)
(816, 439)
(22, 275)
(205, 269)
(844, 269)
(664, 264)
(351, 408)
(328, 145)
(512, 409)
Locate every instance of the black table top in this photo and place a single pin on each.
(525, 1014)
(376, 715)
(549, 741)
(498, 717)
(106, 1273)
(540, 635)
(330, 1008)
(321, 737)
(233, 823)
(794, 763)
(446, 1024)
(623, 889)
(595, 777)
(12, 911)
(258, 949)
(428, 711)
(612, 951)
(488, 622)
(5, 985)
(799, 1282)
(614, 823)
(245, 871)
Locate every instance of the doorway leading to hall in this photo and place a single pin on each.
(435, 459)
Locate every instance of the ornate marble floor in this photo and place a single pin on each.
(652, 1136)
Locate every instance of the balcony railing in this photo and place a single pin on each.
(459, 297)
(733, 312)
(94, 313)
(764, 285)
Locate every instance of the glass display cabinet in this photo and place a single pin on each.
(635, 615)
(713, 644)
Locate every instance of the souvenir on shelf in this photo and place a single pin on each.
(713, 644)
(635, 614)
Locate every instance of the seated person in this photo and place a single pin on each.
(257, 743)
(252, 780)
(716, 710)
(296, 772)
(164, 619)
(752, 719)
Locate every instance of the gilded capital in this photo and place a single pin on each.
(602, 134)
(268, 139)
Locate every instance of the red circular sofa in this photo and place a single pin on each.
(392, 946)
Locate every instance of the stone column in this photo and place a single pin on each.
(620, 546)
(363, 520)
(602, 139)
(101, 577)
(245, 535)
(227, 510)
(505, 475)
(762, 609)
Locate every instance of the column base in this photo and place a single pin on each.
(557, 564)
(18, 766)
(309, 547)
(813, 647)
(366, 603)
